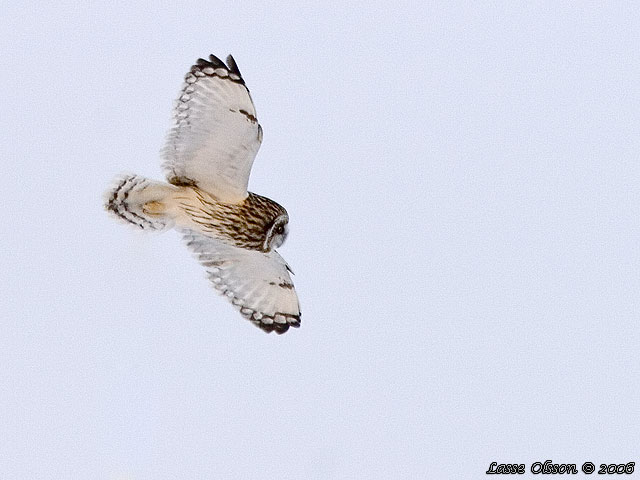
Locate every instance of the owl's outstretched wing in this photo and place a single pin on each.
(216, 135)
(257, 283)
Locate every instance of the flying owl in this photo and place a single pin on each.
(232, 232)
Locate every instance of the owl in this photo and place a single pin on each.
(234, 233)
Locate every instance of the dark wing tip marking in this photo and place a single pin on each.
(215, 61)
(233, 73)
(279, 328)
(233, 66)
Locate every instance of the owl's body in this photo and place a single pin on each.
(233, 232)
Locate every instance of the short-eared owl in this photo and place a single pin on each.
(233, 232)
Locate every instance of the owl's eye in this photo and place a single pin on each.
(279, 229)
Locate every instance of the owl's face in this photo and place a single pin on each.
(276, 233)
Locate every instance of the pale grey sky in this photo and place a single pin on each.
(463, 185)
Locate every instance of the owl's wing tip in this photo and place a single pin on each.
(279, 328)
(233, 66)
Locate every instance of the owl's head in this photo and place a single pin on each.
(276, 233)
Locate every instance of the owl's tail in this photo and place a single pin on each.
(139, 201)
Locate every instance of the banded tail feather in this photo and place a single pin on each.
(139, 201)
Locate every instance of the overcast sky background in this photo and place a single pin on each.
(463, 185)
